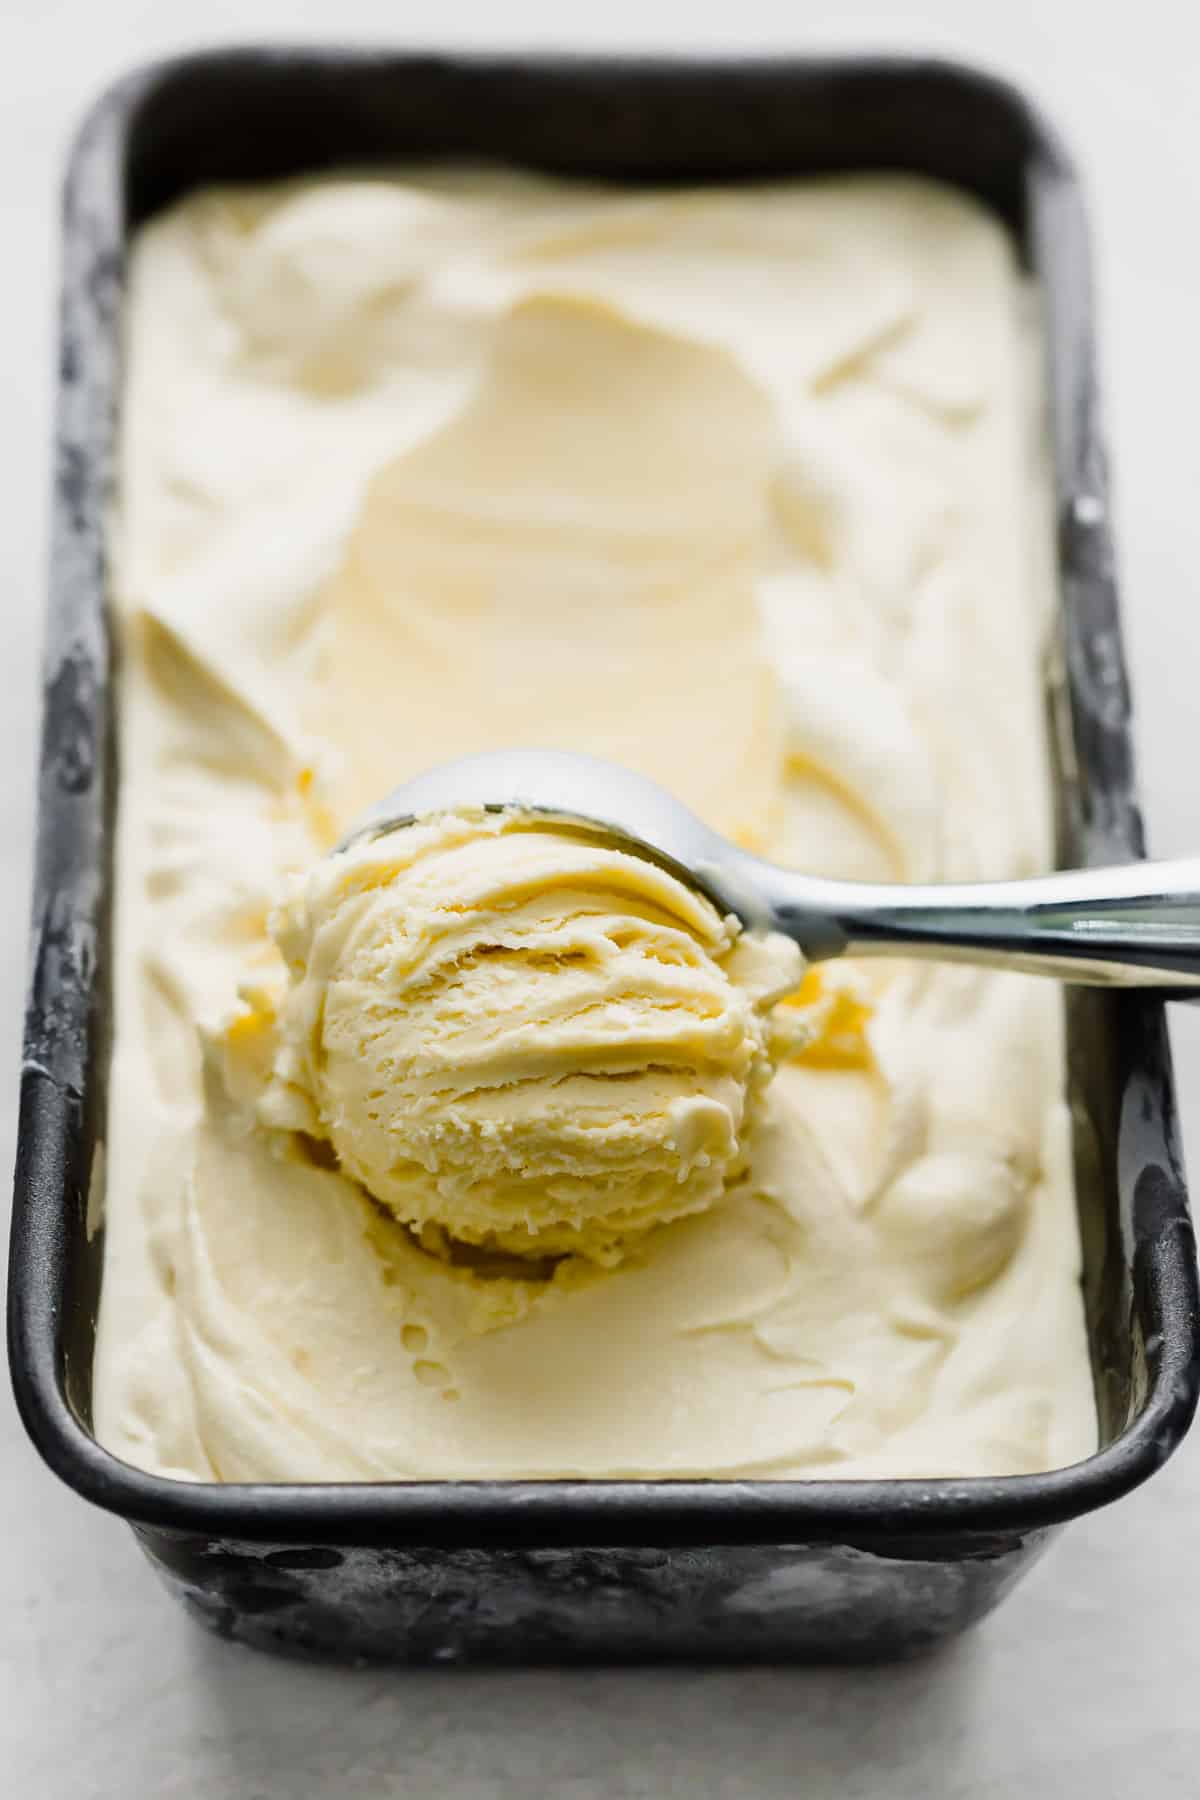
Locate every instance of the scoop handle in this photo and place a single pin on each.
(1137, 925)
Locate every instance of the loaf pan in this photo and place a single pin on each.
(524, 1571)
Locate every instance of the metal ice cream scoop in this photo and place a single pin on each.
(1137, 925)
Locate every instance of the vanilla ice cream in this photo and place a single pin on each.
(524, 1037)
(743, 488)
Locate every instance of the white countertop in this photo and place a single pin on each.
(1087, 1681)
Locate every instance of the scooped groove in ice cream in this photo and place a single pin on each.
(528, 1038)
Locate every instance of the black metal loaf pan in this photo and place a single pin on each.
(569, 1570)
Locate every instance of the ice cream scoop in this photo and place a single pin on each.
(1135, 925)
(521, 1036)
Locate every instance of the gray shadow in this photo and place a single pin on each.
(277, 1728)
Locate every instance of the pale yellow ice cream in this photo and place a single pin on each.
(741, 487)
(523, 1037)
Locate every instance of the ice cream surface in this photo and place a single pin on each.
(743, 488)
(525, 1038)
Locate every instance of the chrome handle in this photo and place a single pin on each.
(1135, 926)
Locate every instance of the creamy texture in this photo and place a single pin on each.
(740, 487)
(528, 1038)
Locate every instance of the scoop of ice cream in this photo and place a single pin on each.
(524, 1036)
